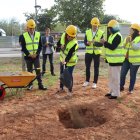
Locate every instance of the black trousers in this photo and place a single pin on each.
(88, 60)
(50, 61)
(70, 69)
(36, 63)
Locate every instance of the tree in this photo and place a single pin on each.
(45, 19)
(78, 12)
(107, 18)
(12, 27)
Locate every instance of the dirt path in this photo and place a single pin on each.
(87, 116)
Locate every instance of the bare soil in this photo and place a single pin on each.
(88, 115)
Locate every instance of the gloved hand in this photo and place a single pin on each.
(128, 39)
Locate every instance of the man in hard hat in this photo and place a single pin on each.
(93, 51)
(47, 51)
(115, 56)
(68, 53)
(31, 47)
(132, 58)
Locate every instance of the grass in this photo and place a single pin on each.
(14, 64)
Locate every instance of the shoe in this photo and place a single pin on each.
(94, 85)
(130, 92)
(30, 87)
(53, 74)
(61, 90)
(43, 73)
(112, 97)
(86, 83)
(68, 96)
(69, 93)
(42, 87)
(121, 88)
(108, 94)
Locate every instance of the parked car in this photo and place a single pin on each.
(81, 44)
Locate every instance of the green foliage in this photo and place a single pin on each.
(107, 18)
(45, 19)
(11, 28)
(79, 12)
(59, 27)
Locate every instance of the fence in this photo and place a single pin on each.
(9, 41)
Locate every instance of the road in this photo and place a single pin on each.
(16, 52)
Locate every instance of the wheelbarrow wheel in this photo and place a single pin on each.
(2, 93)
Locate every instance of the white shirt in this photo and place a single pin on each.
(48, 49)
(94, 33)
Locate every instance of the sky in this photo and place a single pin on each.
(125, 9)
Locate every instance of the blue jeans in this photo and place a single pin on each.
(133, 72)
(70, 69)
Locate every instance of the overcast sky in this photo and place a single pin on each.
(125, 9)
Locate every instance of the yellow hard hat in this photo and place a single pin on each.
(135, 26)
(31, 23)
(95, 21)
(71, 30)
(113, 23)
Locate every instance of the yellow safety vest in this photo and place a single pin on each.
(63, 54)
(134, 55)
(117, 55)
(93, 49)
(32, 45)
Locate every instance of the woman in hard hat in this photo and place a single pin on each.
(93, 51)
(68, 55)
(132, 59)
(115, 56)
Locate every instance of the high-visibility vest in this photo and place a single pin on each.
(134, 55)
(117, 55)
(93, 49)
(126, 47)
(32, 45)
(63, 53)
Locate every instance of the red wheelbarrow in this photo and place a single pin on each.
(15, 80)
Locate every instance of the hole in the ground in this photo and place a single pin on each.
(80, 117)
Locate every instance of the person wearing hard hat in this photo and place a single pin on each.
(132, 59)
(31, 47)
(115, 56)
(68, 53)
(93, 51)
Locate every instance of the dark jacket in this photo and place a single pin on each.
(51, 43)
(24, 49)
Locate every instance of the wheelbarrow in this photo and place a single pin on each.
(15, 80)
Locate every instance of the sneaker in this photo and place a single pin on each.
(130, 92)
(61, 90)
(69, 93)
(94, 85)
(85, 84)
(108, 94)
(30, 87)
(121, 88)
(42, 87)
(112, 97)
(53, 74)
